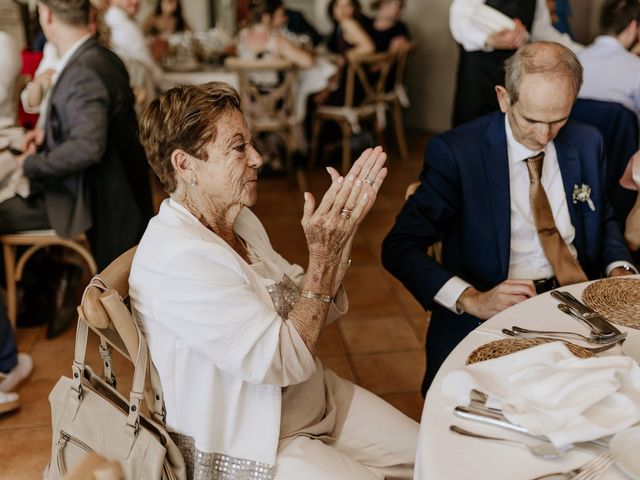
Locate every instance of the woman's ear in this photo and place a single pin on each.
(183, 164)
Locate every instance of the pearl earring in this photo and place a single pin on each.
(193, 182)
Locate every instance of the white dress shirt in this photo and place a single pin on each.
(611, 73)
(472, 35)
(128, 41)
(50, 60)
(526, 257)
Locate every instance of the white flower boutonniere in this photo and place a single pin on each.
(582, 194)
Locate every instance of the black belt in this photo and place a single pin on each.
(545, 284)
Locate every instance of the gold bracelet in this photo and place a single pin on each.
(316, 296)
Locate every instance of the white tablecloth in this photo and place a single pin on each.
(444, 455)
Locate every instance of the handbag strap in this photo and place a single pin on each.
(129, 332)
(131, 335)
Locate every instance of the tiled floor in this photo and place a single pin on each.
(378, 344)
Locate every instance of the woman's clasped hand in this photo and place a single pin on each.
(346, 203)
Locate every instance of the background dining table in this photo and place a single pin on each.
(444, 455)
(170, 79)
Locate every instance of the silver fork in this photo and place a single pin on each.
(594, 350)
(589, 471)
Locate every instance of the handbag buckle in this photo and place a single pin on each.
(79, 391)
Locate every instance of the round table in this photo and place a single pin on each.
(444, 455)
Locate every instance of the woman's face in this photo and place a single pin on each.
(229, 176)
(391, 9)
(342, 10)
(279, 18)
(169, 6)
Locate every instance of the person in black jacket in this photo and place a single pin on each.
(385, 28)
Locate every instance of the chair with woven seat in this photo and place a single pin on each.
(267, 90)
(369, 74)
(34, 240)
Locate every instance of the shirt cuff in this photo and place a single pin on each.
(450, 292)
(620, 263)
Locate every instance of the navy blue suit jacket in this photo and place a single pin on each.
(464, 200)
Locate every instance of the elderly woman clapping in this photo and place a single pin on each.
(233, 327)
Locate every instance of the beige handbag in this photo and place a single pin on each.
(90, 415)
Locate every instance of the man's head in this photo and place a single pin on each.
(620, 18)
(542, 81)
(57, 15)
(131, 7)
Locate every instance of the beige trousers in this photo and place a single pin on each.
(377, 441)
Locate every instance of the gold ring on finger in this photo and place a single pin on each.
(368, 180)
(346, 213)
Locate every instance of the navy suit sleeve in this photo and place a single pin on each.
(421, 223)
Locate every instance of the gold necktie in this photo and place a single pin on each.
(566, 268)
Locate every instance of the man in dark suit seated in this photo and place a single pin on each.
(518, 200)
(90, 133)
(87, 170)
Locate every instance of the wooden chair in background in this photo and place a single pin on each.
(267, 90)
(395, 98)
(368, 73)
(33, 241)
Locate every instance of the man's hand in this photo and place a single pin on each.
(19, 159)
(32, 140)
(620, 272)
(485, 305)
(508, 39)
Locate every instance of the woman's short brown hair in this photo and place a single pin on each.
(184, 118)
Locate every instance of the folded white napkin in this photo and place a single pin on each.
(551, 392)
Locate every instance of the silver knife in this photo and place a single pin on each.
(596, 321)
(497, 419)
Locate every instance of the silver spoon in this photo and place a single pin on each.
(597, 349)
(575, 335)
(543, 450)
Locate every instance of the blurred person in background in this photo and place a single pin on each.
(14, 367)
(483, 50)
(87, 171)
(166, 19)
(128, 41)
(386, 29)
(10, 63)
(34, 96)
(263, 37)
(297, 24)
(349, 35)
(610, 53)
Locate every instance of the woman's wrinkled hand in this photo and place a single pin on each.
(343, 207)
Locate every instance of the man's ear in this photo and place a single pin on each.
(504, 100)
(45, 14)
(183, 165)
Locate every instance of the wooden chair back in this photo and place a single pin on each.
(267, 106)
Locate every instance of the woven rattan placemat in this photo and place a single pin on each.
(618, 299)
(506, 346)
